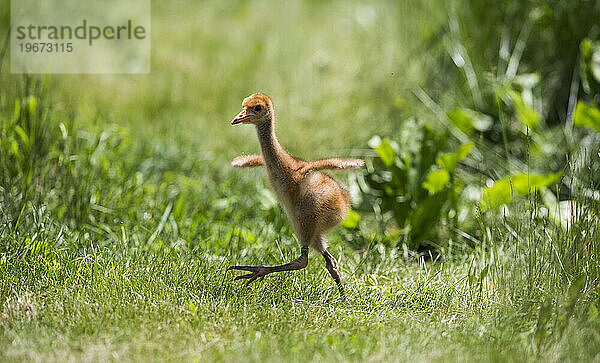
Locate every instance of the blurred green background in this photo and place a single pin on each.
(320, 62)
(475, 226)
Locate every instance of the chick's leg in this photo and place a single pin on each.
(332, 267)
(262, 271)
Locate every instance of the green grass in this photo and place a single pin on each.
(116, 302)
(119, 211)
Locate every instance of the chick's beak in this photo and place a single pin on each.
(240, 117)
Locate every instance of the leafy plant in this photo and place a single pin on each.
(502, 191)
(413, 184)
(587, 115)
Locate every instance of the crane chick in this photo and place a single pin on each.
(312, 200)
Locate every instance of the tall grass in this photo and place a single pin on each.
(116, 227)
(151, 243)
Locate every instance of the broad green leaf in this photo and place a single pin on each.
(436, 180)
(351, 220)
(450, 160)
(527, 115)
(501, 191)
(386, 152)
(497, 194)
(460, 119)
(470, 120)
(587, 115)
(526, 183)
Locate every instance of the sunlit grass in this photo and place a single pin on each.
(119, 211)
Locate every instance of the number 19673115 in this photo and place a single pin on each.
(46, 47)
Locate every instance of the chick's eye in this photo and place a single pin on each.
(258, 108)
